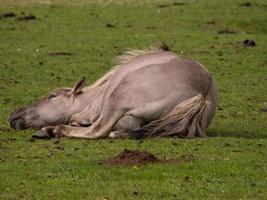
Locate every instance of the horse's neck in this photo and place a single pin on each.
(88, 97)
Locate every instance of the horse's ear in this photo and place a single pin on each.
(78, 86)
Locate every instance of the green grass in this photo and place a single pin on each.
(230, 164)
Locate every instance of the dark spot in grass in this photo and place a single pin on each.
(211, 22)
(263, 109)
(31, 140)
(163, 5)
(219, 53)
(220, 108)
(186, 178)
(56, 142)
(110, 25)
(135, 193)
(7, 15)
(173, 4)
(11, 29)
(163, 46)
(128, 26)
(253, 184)
(75, 149)
(59, 148)
(178, 3)
(60, 53)
(226, 31)
(4, 129)
(174, 143)
(41, 63)
(27, 17)
(12, 139)
(263, 5)
(246, 4)
(249, 43)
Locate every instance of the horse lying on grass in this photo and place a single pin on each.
(148, 94)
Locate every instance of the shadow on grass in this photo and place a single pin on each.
(237, 134)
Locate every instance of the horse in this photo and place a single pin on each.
(149, 93)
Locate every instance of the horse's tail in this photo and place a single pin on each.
(188, 119)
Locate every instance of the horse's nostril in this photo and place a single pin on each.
(16, 114)
(21, 118)
(17, 124)
(12, 117)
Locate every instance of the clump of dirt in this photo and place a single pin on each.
(27, 17)
(139, 158)
(7, 15)
(249, 43)
(60, 53)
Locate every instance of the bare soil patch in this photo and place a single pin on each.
(60, 53)
(141, 158)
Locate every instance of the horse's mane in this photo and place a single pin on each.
(123, 59)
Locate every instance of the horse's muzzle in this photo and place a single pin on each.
(16, 120)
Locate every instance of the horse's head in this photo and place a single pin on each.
(56, 109)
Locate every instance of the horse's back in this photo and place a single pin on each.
(161, 80)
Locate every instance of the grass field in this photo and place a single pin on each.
(230, 164)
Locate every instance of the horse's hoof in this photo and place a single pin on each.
(41, 135)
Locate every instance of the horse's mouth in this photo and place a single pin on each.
(18, 124)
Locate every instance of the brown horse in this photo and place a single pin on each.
(150, 93)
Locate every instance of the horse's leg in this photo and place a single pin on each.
(125, 126)
(128, 122)
(100, 129)
(81, 118)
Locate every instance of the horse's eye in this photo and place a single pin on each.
(51, 96)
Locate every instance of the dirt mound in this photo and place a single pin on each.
(135, 157)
